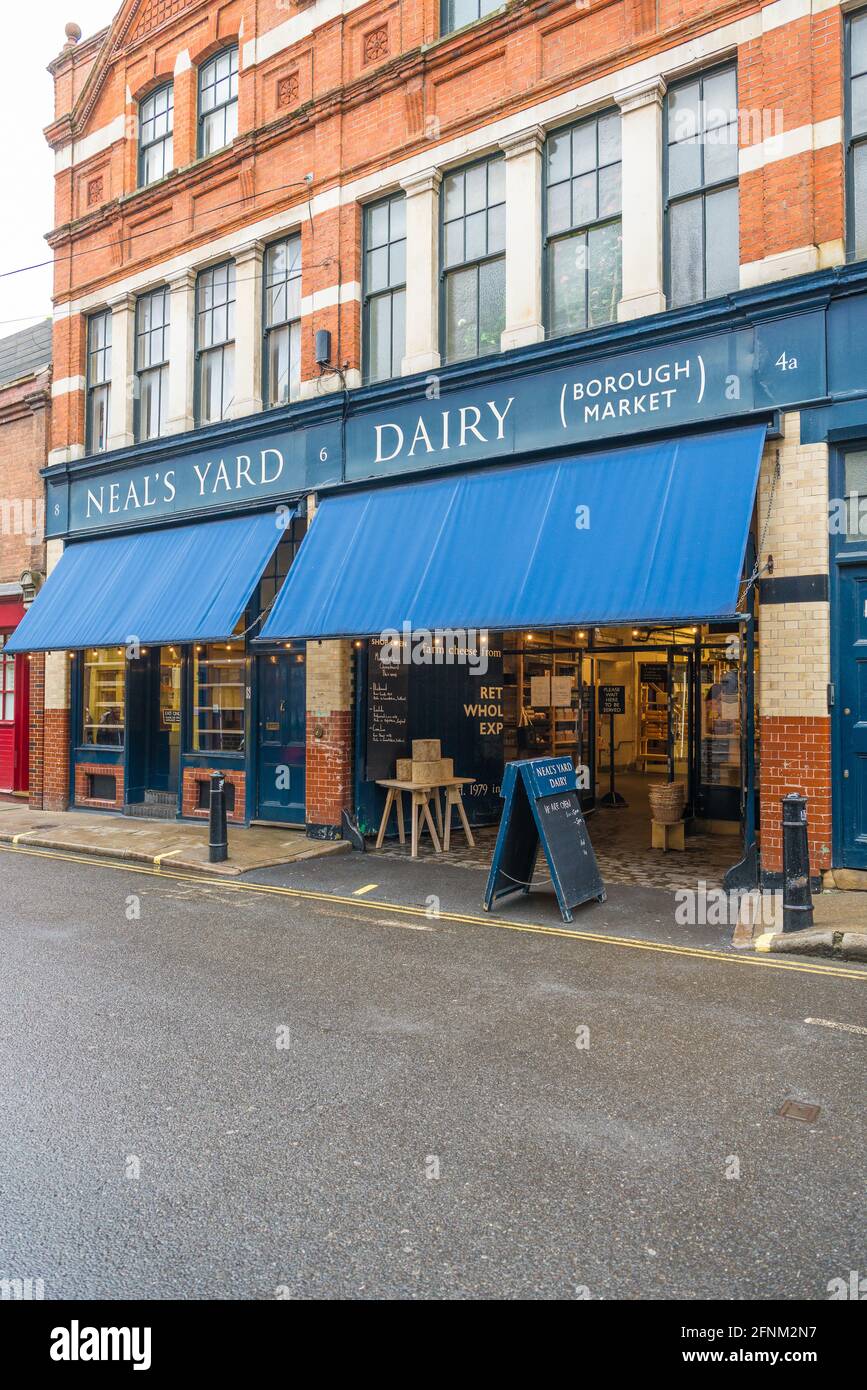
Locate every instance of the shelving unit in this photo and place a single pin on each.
(653, 726)
(561, 730)
(104, 684)
(218, 718)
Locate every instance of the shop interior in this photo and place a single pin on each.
(683, 700)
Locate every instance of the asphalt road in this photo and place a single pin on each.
(428, 1127)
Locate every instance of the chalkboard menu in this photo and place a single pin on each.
(542, 806)
(387, 713)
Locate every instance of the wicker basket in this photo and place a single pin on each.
(667, 800)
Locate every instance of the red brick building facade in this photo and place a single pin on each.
(340, 104)
(25, 415)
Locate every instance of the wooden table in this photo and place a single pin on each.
(420, 799)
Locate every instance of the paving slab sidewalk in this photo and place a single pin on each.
(172, 843)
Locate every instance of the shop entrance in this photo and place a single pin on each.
(282, 735)
(154, 723)
(684, 697)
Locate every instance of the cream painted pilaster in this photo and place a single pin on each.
(641, 140)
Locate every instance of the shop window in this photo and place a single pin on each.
(720, 720)
(856, 116)
(454, 14)
(473, 204)
(384, 288)
(203, 795)
(218, 101)
(156, 116)
(98, 381)
(152, 363)
(7, 684)
(103, 697)
(855, 493)
(219, 690)
(702, 187)
(215, 342)
(283, 321)
(583, 224)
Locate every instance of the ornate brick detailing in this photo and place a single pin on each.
(94, 190)
(288, 88)
(194, 776)
(376, 44)
(153, 13)
(796, 757)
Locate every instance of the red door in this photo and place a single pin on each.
(14, 707)
(21, 774)
(7, 719)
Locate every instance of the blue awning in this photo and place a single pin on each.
(662, 540)
(183, 584)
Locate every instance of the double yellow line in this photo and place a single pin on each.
(376, 905)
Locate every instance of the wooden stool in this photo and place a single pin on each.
(454, 799)
(666, 837)
(420, 814)
(393, 798)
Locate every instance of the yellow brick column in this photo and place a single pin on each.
(794, 645)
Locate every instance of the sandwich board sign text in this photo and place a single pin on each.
(542, 806)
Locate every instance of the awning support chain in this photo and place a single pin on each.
(760, 569)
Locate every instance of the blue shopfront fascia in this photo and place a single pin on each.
(745, 356)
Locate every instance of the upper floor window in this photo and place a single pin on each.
(582, 224)
(152, 362)
(454, 14)
(474, 262)
(215, 343)
(384, 288)
(283, 321)
(857, 136)
(98, 381)
(156, 123)
(702, 187)
(218, 101)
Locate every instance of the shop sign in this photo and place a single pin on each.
(612, 699)
(542, 807)
(713, 377)
(183, 484)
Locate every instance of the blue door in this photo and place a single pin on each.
(282, 736)
(851, 714)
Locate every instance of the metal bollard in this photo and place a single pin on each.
(797, 897)
(218, 839)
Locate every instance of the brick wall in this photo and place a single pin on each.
(24, 426)
(382, 90)
(83, 774)
(795, 757)
(794, 644)
(25, 413)
(36, 666)
(329, 733)
(55, 774)
(193, 777)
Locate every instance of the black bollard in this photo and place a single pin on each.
(797, 898)
(218, 839)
